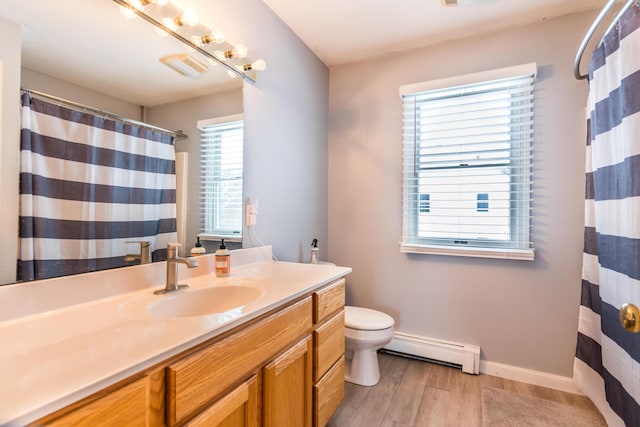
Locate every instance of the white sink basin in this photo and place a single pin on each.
(202, 302)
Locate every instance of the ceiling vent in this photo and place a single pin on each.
(185, 64)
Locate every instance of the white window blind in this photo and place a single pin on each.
(221, 170)
(467, 160)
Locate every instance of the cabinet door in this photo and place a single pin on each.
(287, 388)
(126, 406)
(239, 408)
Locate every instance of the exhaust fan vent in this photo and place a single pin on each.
(185, 64)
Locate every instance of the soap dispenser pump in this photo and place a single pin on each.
(314, 251)
(198, 250)
(223, 261)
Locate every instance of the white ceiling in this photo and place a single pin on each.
(99, 52)
(342, 31)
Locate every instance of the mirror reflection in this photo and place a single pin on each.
(122, 74)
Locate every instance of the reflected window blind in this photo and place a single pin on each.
(221, 170)
(467, 160)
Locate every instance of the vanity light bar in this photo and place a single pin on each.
(245, 73)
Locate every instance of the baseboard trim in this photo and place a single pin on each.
(465, 355)
(543, 379)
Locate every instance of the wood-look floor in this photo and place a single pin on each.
(421, 394)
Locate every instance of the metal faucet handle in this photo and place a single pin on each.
(172, 249)
(143, 243)
(145, 252)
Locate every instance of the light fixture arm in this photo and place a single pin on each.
(185, 40)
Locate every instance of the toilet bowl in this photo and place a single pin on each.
(366, 331)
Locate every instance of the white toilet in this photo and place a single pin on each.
(366, 331)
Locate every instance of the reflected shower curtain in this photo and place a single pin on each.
(88, 185)
(607, 363)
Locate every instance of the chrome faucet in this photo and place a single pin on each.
(145, 252)
(172, 269)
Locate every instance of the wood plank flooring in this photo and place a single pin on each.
(413, 393)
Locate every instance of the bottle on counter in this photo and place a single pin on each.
(223, 261)
(198, 250)
(315, 251)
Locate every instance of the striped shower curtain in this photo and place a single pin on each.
(88, 185)
(607, 363)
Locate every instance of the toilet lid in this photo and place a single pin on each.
(366, 319)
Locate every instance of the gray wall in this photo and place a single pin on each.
(34, 80)
(286, 131)
(521, 313)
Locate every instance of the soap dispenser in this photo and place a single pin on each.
(198, 250)
(314, 251)
(223, 261)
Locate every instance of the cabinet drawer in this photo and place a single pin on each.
(204, 375)
(328, 394)
(237, 408)
(328, 342)
(327, 301)
(128, 405)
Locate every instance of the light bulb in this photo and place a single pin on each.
(161, 2)
(189, 18)
(170, 23)
(258, 65)
(213, 37)
(218, 36)
(240, 51)
(127, 12)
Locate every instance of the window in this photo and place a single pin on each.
(425, 206)
(482, 204)
(221, 164)
(468, 148)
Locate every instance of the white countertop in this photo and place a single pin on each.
(57, 354)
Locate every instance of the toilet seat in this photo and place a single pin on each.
(365, 319)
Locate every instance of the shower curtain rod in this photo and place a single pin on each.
(607, 7)
(177, 134)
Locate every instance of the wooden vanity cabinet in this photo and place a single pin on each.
(287, 388)
(328, 351)
(283, 369)
(138, 401)
(238, 408)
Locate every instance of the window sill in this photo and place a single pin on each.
(218, 237)
(515, 254)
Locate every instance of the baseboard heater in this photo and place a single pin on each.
(465, 356)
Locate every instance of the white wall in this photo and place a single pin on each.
(521, 313)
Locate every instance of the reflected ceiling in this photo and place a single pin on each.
(91, 44)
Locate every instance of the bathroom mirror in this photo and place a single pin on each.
(70, 45)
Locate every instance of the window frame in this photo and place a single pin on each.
(520, 210)
(230, 235)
